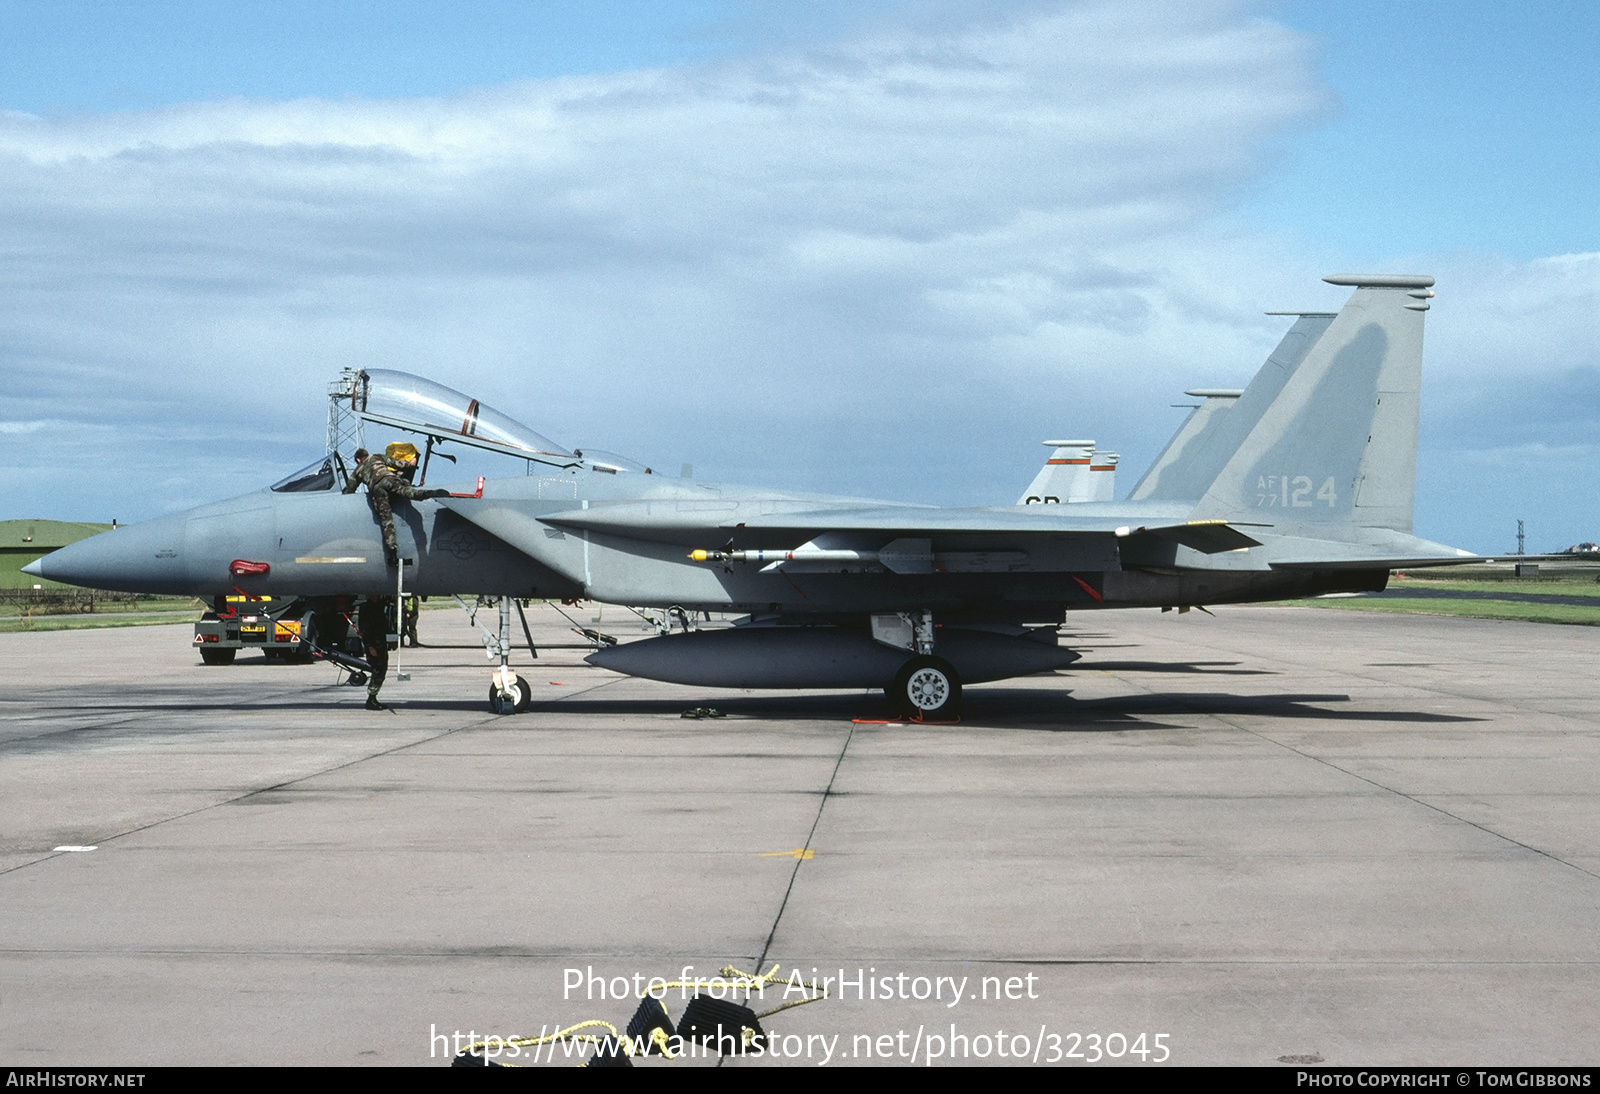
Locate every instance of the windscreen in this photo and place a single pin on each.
(422, 406)
(312, 477)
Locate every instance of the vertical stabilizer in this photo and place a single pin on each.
(1064, 477)
(1336, 441)
(1103, 476)
(1192, 459)
(1203, 419)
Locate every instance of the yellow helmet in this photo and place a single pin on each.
(402, 450)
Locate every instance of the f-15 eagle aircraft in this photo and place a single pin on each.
(1302, 487)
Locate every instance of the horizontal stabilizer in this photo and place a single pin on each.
(1207, 536)
(1415, 563)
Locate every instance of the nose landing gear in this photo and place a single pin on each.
(508, 692)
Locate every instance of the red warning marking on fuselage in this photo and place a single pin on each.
(1088, 588)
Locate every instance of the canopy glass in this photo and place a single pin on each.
(409, 402)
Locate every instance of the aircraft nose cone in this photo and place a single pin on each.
(32, 569)
(139, 558)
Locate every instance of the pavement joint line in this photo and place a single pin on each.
(1387, 789)
(50, 732)
(265, 789)
(1369, 678)
(1425, 688)
(290, 782)
(252, 793)
(1425, 804)
(134, 713)
(800, 861)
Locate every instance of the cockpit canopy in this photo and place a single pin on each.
(409, 402)
(416, 405)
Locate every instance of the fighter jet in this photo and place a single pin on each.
(1075, 472)
(1300, 486)
(1064, 478)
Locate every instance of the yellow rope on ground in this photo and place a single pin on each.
(482, 1047)
(658, 1036)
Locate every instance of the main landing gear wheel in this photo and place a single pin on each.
(927, 689)
(217, 657)
(516, 702)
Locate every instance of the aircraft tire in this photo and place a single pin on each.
(218, 657)
(927, 689)
(521, 701)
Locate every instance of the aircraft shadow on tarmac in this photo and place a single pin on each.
(1198, 668)
(1051, 709)
(1025, 709)
(1054, 711)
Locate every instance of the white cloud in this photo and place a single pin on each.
(887, 265)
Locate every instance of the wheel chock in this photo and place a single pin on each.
(609, 1053)
(731, 1029)
(474, 1059)
(650, 1017)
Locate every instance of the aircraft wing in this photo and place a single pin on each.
(707, 524)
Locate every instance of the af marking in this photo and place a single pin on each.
(1291, 492)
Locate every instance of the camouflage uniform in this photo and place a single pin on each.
(373, 623)
(383, 477)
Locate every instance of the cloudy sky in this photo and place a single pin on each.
(879, 249)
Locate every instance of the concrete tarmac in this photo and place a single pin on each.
(1276, 834)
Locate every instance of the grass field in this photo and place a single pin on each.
(1478, 609)
(1571, 584)
(140, 612)
(1536, 588)
(14, 625)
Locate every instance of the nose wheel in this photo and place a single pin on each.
(509, 693)
(927, 689)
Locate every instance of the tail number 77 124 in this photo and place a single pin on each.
(1293, 492)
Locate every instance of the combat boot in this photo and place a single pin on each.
(373, 704)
